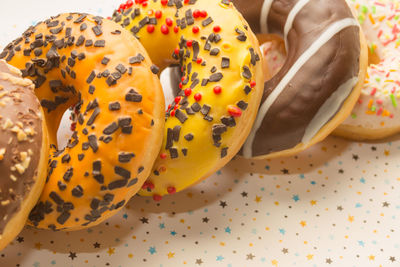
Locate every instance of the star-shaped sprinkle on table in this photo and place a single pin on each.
(144, 220)
(72, 255)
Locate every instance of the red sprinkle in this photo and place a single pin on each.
(186, 1)
(217, 90)
(183, 78)
(73, 126)
(234, 111)
(252, 84)
(176, 51)
(157, 197)
(129, 3)
(164, 2)
(197, 97)
(177, 99)
(189, 43)
(217, 28)
(169, 22)
(196, 13)
(163, 155)
(379, 112)
(144, 4)
(173, 113)
(171, 190)
(199, 60)
(188, 92)
(158, 14)
(195, 29)
(148, 185)
(180, 85)
(176, 29)
(164, 29)
(203, 14)
(150, 28)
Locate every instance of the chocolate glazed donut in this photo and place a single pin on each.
(320, 80)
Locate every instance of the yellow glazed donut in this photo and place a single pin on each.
(79, 58)
(23, 151)
(221, 84)
(377, 113)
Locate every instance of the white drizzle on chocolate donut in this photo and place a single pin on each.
(321, 41)
(264, 15)
(325, 54)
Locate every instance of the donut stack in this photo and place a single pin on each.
(230, 97)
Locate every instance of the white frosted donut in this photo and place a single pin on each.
(376, 115)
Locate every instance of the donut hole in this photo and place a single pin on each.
(274, 54)
(64, 131)
(170, 79)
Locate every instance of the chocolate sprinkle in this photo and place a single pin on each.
(93, 117)
(97, 30)
(137, 59)
(224, 152)
(110, 129)
(154, 69)
(225, 63)
(242, 105)
(216, 77)
(117, 184)
(246, 73)
(100, 43)
(180, 116)
(68, 174)
(77, 191)
(133, 96)
(122, 172)
(173, 153)
(93, 143)
(125, 157)
(114, 106)
(105, 61)
(189, 137)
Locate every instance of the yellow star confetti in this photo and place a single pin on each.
(371, 257)
(111, 251)
(170, 255)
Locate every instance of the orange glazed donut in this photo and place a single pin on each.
(79, 58)
(23, 151)
(221, 85)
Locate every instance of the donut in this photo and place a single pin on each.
(23, 151)
(377, 112)
(221, 84)
(87, 60)
(318, 84)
